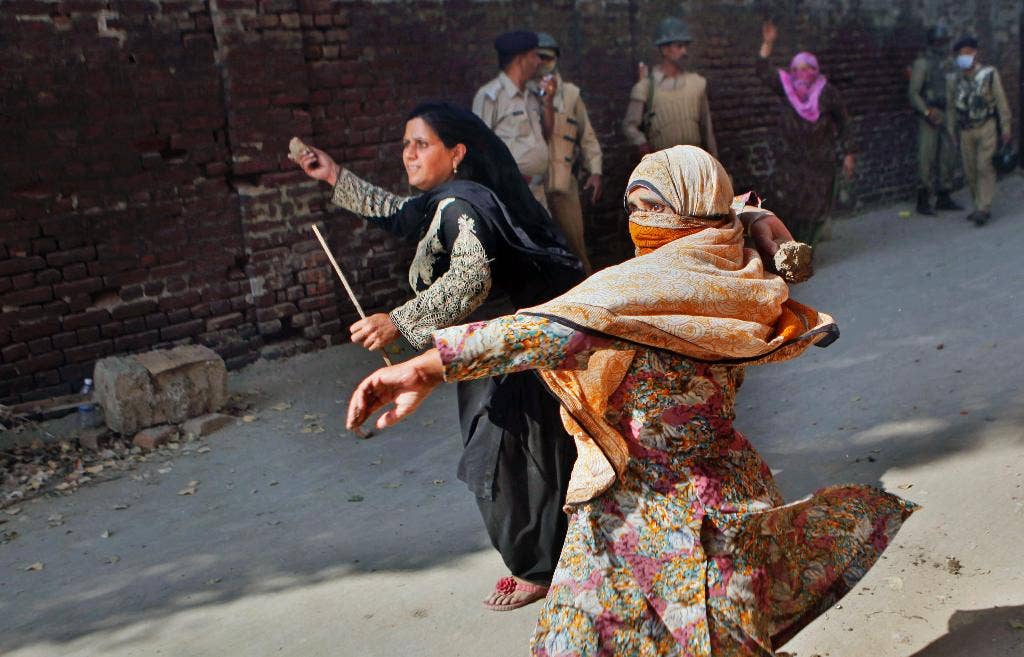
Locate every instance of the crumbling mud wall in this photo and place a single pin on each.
(146, 196)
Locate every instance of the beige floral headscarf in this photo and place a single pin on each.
(702, 295)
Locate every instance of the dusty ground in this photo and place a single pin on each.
(297, 542)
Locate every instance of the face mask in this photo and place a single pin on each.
(964, 62)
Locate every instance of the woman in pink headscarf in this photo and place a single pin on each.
(814, 126)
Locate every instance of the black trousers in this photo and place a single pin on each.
(517, 461)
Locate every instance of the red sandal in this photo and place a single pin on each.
(510, 585)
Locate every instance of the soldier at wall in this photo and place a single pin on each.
(668, 106)
(573, 145)
(515, 113)
(979, 118)
(935, 149)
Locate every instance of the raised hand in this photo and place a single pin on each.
(405, 385)
(318, 165)
(769, 33)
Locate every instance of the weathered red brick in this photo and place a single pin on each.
(31, 330)
(89, 352)
(40, 345)
(40, 362)
(185, 329)
(90, 318)
(14, 352)
(134, 309)
(75, 288)
(28, 297)
(61, 258)
(136, 341)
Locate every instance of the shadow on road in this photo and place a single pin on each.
(994, 632)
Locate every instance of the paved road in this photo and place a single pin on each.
(320, 544)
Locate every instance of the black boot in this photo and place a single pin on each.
(943, 201)
(924, 202)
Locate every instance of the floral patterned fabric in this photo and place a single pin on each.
(691, 552)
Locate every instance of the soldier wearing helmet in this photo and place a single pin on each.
(572, 145)
(935, 149)
(668, 105)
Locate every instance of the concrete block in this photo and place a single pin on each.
(159, 387)
(206, 424)
(153, 437)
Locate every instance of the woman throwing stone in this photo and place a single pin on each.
(679, 542)
(812, 123)
(479, 234)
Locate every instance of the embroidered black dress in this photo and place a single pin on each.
(517, 457)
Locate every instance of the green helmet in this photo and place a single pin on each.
(938, 35)
(670, 30)
(547, 42)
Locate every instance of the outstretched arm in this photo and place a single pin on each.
(405, 385)
(796, 263)
(513, 343)
(765, 70)
(394, 213)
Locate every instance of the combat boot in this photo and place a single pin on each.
(924, 202)
(943, 201)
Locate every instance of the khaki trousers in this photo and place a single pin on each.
(934, 146)
(568, 214)
(977, 146)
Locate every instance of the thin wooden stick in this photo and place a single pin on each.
(344, 281)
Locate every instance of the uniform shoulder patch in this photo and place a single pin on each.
(491, 89)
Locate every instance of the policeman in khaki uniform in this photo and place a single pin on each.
(979, 118)
(514, 112)
(928, 79)
(668, 106)
(572, 141)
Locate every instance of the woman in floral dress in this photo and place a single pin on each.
(679, 542)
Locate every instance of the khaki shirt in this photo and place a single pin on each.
(572, 137)
(681, 114)
(515, 116)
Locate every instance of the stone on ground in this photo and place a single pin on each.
(153, 437)
(206, 424)
(159, 387)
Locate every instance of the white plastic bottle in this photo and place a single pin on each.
(88, 417)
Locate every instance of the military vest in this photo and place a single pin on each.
(934, 89)
(973, 98)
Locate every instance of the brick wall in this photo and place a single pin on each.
(147, 200)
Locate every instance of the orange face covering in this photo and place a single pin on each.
(649, 238)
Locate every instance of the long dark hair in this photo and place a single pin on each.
(488, 161)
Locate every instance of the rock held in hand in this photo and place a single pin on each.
(794, 261)
(296, 149)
